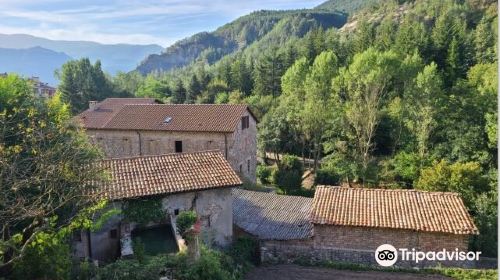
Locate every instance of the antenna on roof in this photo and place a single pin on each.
(167, 120)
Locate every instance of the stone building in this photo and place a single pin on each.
(348, 224)
(199, 181)
(126, 127)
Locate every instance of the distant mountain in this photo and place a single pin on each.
(35, 61)
(346, 6)
(116, 57)
(269, 26)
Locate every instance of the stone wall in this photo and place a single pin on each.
(214, 208)
(366, 238)
(240, 147)
(358, 245)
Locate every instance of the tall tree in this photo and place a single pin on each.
(178, 93)
(317, 107)
(46, 169)
(268, 72)
(81, 82)
(365, 85)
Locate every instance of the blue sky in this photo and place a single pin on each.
(133, 21)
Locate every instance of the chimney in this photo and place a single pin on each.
(92, 105)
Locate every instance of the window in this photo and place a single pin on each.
(248, 166)
(178, 146)
(176, 212)
(245, 122)
(113, 234)
(241, 168)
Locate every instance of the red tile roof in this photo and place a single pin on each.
(145, 114)
(182, 117)
(399, 209)
(165, 174)
(106, 109)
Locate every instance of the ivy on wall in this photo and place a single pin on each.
(143, 211)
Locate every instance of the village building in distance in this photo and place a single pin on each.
(199, 181)
(41, 89)
(126, 127)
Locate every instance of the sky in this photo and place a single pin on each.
(131, 21)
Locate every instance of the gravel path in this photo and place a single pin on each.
(295, 272)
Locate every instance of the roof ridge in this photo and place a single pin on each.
(389, 190)
(274, 194)
(163, 155)
(202, 104)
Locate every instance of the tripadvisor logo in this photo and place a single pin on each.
(387, 255)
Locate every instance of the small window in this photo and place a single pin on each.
(241, 168)
(178, 146)
(176, 212)
(113, 234)
(248, 166)
(245, 122)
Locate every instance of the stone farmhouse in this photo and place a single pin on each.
(198, 181)
(126, 127)
(348, 224)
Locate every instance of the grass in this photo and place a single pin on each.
(455, 273)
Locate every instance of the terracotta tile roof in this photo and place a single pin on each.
(272, 217)
(400, 209)
(106, 109)
(164, 174)
(182, 117)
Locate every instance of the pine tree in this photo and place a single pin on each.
(178, 93)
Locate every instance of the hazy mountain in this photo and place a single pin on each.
(35, 61)
(116, 57)
(346, 6)
(271, 26)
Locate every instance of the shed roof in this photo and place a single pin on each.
(271, 216)
(400, 209)
(165, 174)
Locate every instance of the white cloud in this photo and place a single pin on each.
(132, 21)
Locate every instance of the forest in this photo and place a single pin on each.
(404, 95)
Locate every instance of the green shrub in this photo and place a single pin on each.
(134, 270)
(143, 211)
(263, 173)
(244, 250)
(185, 220)
(139, 250)
(207, 267)
(288, 176)
(47, 257)
(326, 177)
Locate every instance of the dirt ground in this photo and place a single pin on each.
(295, 272)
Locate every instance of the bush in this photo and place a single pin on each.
(47, 257)
(134, 270)
(185, 221)
(288, 176)
(326, 177)
(245, 250)
(264, 174)
(143, 211)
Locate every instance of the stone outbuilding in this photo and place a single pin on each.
(199, 181)
(126, 127)
(348, 224)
